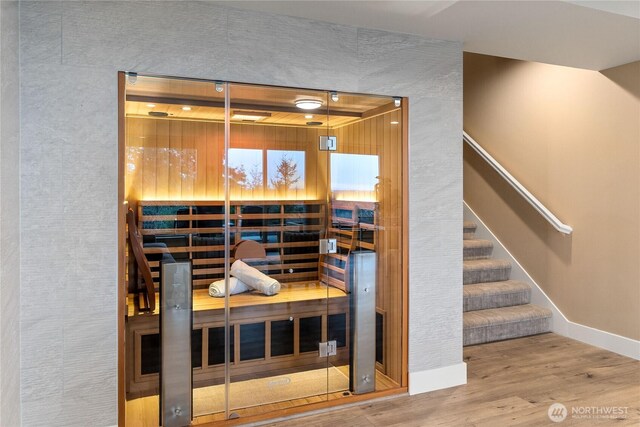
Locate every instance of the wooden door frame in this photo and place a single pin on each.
(121, 294)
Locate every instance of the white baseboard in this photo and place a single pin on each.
(560, 324)
(436, 379)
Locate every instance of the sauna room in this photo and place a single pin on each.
(264, 248)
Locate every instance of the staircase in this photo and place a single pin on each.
(495, 307)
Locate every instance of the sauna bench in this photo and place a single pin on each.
(270, 335)
(289, 293)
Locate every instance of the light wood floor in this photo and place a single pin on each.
(510, 383)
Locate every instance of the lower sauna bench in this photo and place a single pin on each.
(269, 336)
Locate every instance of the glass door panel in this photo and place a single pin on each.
(365, 176)
(277, 186)
(244, 184)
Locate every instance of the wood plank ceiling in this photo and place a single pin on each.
(193, 100)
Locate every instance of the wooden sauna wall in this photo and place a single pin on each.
(183, 160)
(378, 136)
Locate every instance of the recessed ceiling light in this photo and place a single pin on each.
(186, 108)
(308, 104)
(314, 123)
(158, 114)
(394, 122)
(252, 116)
(151, 105)
(308, 116)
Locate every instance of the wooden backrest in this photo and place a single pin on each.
(288, 231)
(135, 242)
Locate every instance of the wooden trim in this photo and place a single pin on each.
(405, 242)
(378, 111)
(383, 109)
(121, 298)
(327, 404)
(231, 203)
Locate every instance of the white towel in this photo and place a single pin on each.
(254, 278)
(216, 289)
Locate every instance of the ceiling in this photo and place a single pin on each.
(197, 100)
(594, 35)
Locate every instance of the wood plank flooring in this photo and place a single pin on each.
(510, 383)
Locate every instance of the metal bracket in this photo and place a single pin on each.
(328, 143)
(329, 348)
(328, 246)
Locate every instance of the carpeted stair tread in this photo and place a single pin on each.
(482, 296)
(497, 324)
(469, 229)
(477, 248)
(485, 270)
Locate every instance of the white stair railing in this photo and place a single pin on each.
(533, 201)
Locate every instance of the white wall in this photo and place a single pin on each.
(9, 216)
(70, 53)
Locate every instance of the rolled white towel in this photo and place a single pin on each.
(254, 278)
(216, 289)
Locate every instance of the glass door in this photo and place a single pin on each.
(365, 200)
(274, 216)
(277, 180)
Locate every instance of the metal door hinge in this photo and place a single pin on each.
(328, 246)
(328, 143)
(329, 348)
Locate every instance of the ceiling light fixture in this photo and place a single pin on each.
(308, 116)
(252, 116)
(394, 122)
(158, 114)
(308, 104)
(397, 101)
(186, 108)
(151, 105)
(335, 97)
(219, 87)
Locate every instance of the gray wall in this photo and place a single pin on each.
(9, 216)
(70, 53)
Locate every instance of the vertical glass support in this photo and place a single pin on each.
(175, 330)
(227, 249)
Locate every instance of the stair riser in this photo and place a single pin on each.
(468, 234)
(506, 331)
(481, 252)
(486, 275)
(485, 301)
